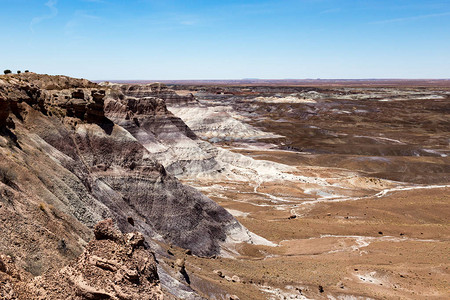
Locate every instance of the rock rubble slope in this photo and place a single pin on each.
(113, 266)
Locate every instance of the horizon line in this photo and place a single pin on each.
(272, 79)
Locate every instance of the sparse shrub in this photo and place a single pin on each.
(62, 245)
(7, 71)
(33, 264)
(11, 254)
(42, 206)
(27, 71)
(51, 209)
(18, 71)
(7, 174)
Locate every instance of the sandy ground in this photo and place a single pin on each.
(360, 209)
(394, 246)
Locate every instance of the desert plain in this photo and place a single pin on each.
(356, 202)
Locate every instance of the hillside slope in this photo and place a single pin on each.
(65, 166)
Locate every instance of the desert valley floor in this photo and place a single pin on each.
(239, 190)
(349, 186)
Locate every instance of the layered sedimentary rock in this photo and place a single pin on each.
(156, 89)
(178, 147)
(73, 153)
(65, 166)
(167, 137)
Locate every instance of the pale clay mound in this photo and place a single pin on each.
(188, 157)
(233, 166)
(287, 99)
(218, 123)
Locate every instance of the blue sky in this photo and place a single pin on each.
(208, 39)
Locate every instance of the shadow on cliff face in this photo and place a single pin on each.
(6, 132)
(107, 125)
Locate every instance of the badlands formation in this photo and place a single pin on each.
(144, 191)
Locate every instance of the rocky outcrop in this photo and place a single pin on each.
(166, 136)
(67, 163)
(158, 90)
(12, 280)
(93, 168)
(84, 106)
(113, 266)
(48, 82)
(4, 105)
(62, 98)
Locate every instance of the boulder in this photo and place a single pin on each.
(105, 230)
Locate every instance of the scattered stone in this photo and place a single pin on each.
(105, 230)
(234, 297)
(219, 273)
(103, 263)
(135, 239)
(321, 290)
(104, 271)
(180, 265)
(235, 278)
(292, 217)
(89, 292)
(180, 262)
(131, 274)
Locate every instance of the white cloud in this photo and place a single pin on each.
(188, 22)
(79, 18)
(95, 1)
(51, 4)
(411, 18)
(330, 11)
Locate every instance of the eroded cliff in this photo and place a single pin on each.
(66, 166)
